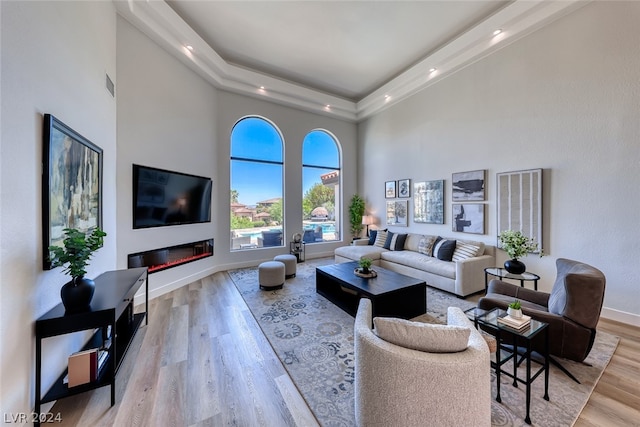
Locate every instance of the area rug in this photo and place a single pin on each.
(314, 340)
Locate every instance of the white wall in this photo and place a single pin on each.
(166, 119)
(169, 117)
(564, 99)
(54, 59)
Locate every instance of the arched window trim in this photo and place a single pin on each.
(339, 201)
(280, 163)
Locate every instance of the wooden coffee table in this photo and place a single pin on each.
(391, 294)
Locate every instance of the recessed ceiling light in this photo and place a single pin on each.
(496, 32)
(262, 87)
(431, 70)
(189, 47)
(328, 106)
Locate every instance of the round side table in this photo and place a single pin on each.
(501, 273)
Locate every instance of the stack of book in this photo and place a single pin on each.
(85, 366)
(514, 323)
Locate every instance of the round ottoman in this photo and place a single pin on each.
(290, 262)
(271, 275)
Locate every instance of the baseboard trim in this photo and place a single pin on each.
(176, 284)
(620, 316)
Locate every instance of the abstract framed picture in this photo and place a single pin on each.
(468, 218)
(404, 188)
(428, 202)
(519, 202)
(397, 212)
(71, 184)
(468, 186)
(390, 190)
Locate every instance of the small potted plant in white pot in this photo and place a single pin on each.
(515, 310)
(516, 245)
(75, 254)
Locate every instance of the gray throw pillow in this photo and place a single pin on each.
(422, 336)
(425, 247)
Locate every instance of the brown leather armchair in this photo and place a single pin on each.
(572, 309)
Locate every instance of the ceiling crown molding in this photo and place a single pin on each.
(159, 22)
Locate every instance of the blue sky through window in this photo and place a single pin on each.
(257, 139)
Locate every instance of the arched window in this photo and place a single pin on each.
(256, 184)
(320, 187)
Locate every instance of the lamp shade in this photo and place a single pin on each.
(367, 220)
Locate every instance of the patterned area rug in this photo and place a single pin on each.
(314, 340)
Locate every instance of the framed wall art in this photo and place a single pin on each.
(390, 189)
(71, 184)
(404, 188)
(519, 202)
(468, 218)
(468, 186)
(428, 202)
(397, 212)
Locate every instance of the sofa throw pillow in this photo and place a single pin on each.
(372, 236)
(433, 248)
(422, 336)
(381, 238)
(443, 250)
(425, 247)
(464, 251)
(387, 243)
(412, 241)
(395, 241)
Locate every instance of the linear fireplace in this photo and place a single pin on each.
(172, 256)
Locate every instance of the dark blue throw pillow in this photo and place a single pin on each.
(444, 249)
(387, 244)
(372, 236)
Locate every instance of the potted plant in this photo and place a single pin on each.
(365, 265)
(515, 310)
(77, 249)
(356, 211)
(516, 245)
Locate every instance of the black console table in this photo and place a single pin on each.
(111, 308)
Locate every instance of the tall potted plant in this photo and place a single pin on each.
(516, 245)
(356, 211)
(77, 249)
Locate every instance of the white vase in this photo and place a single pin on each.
(515, 313)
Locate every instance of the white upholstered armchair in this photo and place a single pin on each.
(400, 386)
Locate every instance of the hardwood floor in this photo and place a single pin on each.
(616, 398)
(203, 361)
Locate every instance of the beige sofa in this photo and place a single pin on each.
(462, 277)
(400, 386)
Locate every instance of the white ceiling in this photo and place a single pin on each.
(346, 59)
(346, 48)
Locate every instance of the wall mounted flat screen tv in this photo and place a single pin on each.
(163, 198)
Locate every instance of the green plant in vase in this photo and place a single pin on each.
(74, 255)
(365, 265)
(516, 245)
(356, 211)
(515, 309)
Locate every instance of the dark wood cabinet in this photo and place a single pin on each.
(111, 309)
